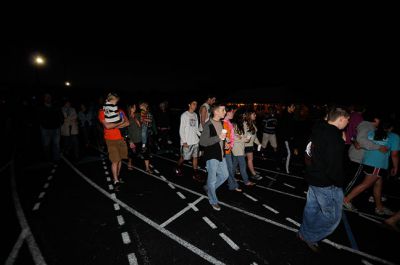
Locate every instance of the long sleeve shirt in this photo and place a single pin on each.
(189, 128)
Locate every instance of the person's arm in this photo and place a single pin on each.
(365, 143)
(124, 123)
(183, 129)
(203, 115)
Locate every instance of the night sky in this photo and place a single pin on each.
(287, 73)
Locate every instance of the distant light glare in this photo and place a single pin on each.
(67, 83)
(39, 60)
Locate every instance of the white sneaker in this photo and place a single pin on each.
(349, 206)
(372, 199)
(384, 211)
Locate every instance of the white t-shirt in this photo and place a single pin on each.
(189, 128)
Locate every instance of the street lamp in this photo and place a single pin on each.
(39, 60)
(67, 83)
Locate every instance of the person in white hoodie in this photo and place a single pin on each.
(189, 134)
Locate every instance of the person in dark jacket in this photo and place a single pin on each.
(325, 176)
(213, 140)
(286, 130)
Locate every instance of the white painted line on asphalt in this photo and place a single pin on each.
(279, 173)
(194, 208)
(254, 263)
(181, 195)
(121, 220)
(108, 179)
(53, 170)
(163, 178)
(229, 241)
(132, 259)
(125, 238)
(105, 167)
(41, 195)
(290, 186)
(280, 192)
(271, 178)
(113, 196)
(292, 221)
(36, 207)
(17, 246)
(30, 240)
(111, 187)
(177, 215)
(104, 162)
(106, 172)
(172, 186)
(46, 185)
(176, 155)
(198, 251)
(50, 177)
(363, 261)
(156, 171)
(116, 206)
(250, 197)
(190, 162)
(271, 209)
(55, 165)
(208, 221)
(305, 192)
(369, 218)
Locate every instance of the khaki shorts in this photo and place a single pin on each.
(117, 150)
(189, 152)
(269, 138)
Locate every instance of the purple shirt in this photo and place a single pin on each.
(351, 130)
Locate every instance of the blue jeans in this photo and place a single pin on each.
(242, 166)
(232, 183)
(51, 143)
(217, 174)
(322, 213)
(144, 134)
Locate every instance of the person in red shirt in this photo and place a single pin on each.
(117, 148)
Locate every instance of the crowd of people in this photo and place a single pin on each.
(340, 147)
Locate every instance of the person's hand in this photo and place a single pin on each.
(295, 151)
(383, 149)
(357, 145)
(132, 145)
(185, 145)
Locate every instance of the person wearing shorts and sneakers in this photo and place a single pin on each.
(376, 165)
(116, 145)
(189, 133)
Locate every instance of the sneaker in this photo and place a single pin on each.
(372, 199)
(313, 246)
(178, 172)
(121, 181)
(250, 183)
(216, 207)
(256, 177)
(349, 206)
(384, 211)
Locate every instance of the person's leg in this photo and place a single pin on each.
(322, 213)
(222, 173)
(46, 141)
(250, 164)
(232, 183)
(212, 166)
(195, 163)
(287, 157)
(367, 182)
(243, 171)
(378, 193)
(114, 170)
